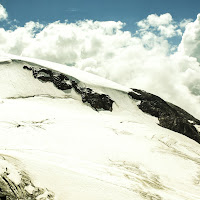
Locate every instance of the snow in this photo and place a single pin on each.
(83, 76)
(5, 59)
(191, 121)
(10, 170)
(197, 127)
(17, 82)
(79, 153)
(29, 189)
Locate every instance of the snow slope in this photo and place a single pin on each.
(79, 153)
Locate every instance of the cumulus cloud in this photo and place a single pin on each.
(164, 24)
(15, 41)
(143, 60)
(3, 13)
(155, 20)
(190, 44)
(185, 22)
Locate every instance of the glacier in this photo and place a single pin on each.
(79, 136)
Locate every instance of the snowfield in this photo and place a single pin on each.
(80, 153)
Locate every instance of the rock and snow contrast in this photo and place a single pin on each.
(69, 135)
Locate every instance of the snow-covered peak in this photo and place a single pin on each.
(84, 137)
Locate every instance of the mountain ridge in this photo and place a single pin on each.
(170, 116)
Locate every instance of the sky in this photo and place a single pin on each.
(147, 44)
(127, 11)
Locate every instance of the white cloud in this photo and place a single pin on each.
(190, 44)
(185, 22)
(3, 13)
(155, 20)
(169, 31)
(15, 41)
(164, 24)
(140, 61)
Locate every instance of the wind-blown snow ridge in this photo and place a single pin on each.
(83, 76)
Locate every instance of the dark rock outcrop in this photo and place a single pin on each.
(97, 101)
(24, 189)
(184, 114)
(46, 75)
(62, 82)
(170, 116)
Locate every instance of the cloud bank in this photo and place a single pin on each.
(145, 60)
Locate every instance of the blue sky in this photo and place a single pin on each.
(128, 11)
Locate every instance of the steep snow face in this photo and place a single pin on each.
(79, 153)
(16, 82)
